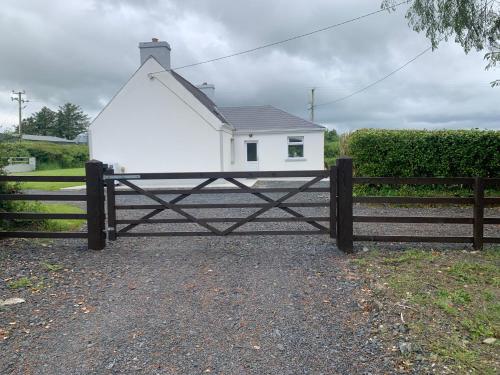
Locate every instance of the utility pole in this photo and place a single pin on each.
(20, 102)
(312, 104)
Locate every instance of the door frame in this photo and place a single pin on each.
(252, 165)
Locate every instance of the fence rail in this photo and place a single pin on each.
(478, 202)
(95, 189)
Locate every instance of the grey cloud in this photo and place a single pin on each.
(84, 51)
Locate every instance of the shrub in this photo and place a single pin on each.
(55, 156)
(423, 153)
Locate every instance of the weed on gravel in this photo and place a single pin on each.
(439, 309)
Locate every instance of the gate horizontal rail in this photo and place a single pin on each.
(216, 175)
(222, 191)
(218, 205)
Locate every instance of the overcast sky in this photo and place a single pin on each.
(83, 51)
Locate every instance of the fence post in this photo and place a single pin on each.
(478, 230)
(111, 202)
(344, 205)
(333, 202)
(95, 205)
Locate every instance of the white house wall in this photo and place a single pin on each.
(149, 127)
(272, 151)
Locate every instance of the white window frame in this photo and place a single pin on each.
(295, 143)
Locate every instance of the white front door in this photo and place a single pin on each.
(252, 155)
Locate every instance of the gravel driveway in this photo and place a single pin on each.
(192, 305)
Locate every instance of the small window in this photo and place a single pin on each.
(295, 147)
(251, 151)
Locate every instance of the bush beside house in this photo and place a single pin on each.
(424, 153)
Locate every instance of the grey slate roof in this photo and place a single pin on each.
(254, 118)
(198, 94)
(265, 118)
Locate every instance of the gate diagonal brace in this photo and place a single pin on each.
(172, 207)
(173, 201)
(272, 204)
(268, 199)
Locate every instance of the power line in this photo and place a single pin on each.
(288, 39)
(378, 80)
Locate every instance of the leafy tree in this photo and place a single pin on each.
(474, 24)
(331, 136)
(71, 121)
(40, 123)
(67, 122)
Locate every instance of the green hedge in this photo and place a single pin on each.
(423, 153)
(54, 156)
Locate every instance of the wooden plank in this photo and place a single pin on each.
(220, 191)
(221, 220)
(44, 197)
(268, 199)
(42, 178)
(333, 202)
(272, 204)
(43, 235)
(235, 233)
(478, 229)
(40, 216)
(344, 205)
(413, 239)
(491, 220)
(414, 180)
(413, 219)
(491, 239)
(491, 181)
(173, 201)
(220, 205)
(414, 200)
(495, 201)
(96, 216)
(205, 175)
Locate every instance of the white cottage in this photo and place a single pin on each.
(160, 122)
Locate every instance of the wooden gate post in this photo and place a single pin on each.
(95, 205)
(344, 205)
(478, 230)
(333, 202)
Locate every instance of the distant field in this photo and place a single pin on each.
(52, 185)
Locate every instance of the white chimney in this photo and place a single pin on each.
(159, 50)
(208, 89)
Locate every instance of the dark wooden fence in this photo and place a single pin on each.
(340, 216)
(94, 198)
(477, 221)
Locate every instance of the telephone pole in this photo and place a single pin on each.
(311, 108)
(20, 101)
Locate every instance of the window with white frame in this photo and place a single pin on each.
(295, 147)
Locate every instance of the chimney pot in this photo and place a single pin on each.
(154, 40)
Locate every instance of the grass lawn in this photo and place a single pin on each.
(449, 302)
(52, 185)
